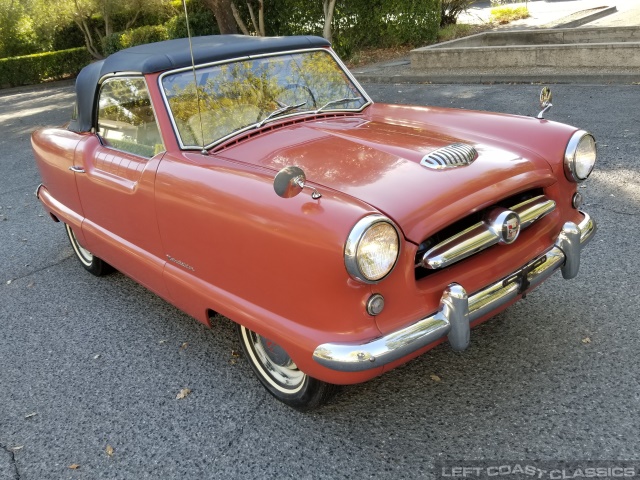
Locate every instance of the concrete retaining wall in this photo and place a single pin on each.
(567, 51)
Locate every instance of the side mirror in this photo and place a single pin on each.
(545, 101)
(290, 181)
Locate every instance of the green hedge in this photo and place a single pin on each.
(36, 68)
(137, 36)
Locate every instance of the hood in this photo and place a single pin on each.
(378, 161)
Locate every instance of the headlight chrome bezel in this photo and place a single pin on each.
(353, 242)
(570, 169)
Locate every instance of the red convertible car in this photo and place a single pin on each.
(254, 178)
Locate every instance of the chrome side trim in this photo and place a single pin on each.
(483, 235)
(457, 310)
(37, 194)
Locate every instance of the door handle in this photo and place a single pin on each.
(76, 169)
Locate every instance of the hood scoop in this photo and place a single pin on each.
(454, 155)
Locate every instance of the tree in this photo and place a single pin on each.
(223, 12)
(328, 7)
(95, 18)
(17, 35)
(451, 9)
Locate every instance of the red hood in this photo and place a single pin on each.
(376, 159)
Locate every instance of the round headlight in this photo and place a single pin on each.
(580, 156)
(372, 249)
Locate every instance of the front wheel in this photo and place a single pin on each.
(90, 262)
(280, 375)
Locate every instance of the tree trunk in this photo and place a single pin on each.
(88, 39)
(263, 33)
(328, 6)
(224, 15)
(236, 15)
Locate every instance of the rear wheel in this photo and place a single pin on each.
(90, 262)
(280, 375)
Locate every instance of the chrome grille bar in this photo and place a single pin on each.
(483, 235)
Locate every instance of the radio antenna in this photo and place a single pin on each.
(195, 77)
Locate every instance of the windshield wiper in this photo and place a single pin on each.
(339, 100)
(280, 111)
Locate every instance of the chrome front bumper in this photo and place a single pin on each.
(457, 310)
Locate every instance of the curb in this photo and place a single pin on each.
(583, 20)
(588, 79)
(40, 86)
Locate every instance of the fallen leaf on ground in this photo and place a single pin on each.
(109, 450)
(435, 377)
(184, 345)
(235, 353)
(586, 340)
(183, 393)
(74, 466)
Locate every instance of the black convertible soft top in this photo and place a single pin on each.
(172, 54)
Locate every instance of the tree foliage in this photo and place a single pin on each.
(32, 26)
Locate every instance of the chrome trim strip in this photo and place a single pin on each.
(37, 191)
(482, 235)
(533, 209)
(219, 141)
(457, 311)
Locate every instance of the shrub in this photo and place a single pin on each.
(200, 23)
(32, 69)
(137, 36)
(142, 35)
(451, 9)
(384, 23)
(508, 14)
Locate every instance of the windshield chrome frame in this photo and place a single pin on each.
(217, 142)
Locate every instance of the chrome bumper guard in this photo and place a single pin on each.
(457, 309)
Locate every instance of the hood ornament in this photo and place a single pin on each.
(545, 101)
(454, 155)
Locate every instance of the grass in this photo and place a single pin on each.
(459, 30)
(504, 15)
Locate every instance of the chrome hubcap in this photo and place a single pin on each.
(274, 363)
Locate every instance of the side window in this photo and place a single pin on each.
(125, 117)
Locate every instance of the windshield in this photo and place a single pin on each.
(248, 93)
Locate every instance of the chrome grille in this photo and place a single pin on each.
(476, 232)
(454, 155)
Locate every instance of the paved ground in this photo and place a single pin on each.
(550, 12)
(88, 363)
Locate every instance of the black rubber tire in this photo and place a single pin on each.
(304, 393)
(90, 262)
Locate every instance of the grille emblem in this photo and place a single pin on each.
(454, 155)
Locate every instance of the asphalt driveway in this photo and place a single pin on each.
(90, 367)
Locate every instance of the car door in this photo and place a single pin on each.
(115, 173)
